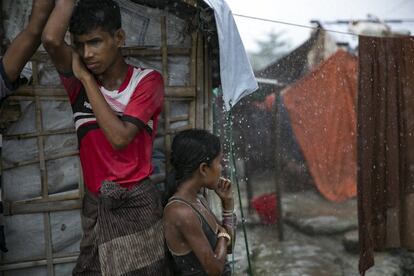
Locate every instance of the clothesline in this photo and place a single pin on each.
(293, 24)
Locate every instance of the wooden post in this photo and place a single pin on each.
(277, 169)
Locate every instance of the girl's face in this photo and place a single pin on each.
(214, 172)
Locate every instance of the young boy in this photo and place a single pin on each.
(116, 108)
(23, 47)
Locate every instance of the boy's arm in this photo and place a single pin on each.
(118, 133)
(53, 37)
(27, 42)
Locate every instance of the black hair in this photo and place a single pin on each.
(190, 148)
(89, 15)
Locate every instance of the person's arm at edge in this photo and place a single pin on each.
(26, 42)
(53, 37)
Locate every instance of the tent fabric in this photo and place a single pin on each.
(385, 146)
(322, 111)
(236, 73)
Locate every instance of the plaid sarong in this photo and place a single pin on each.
(123, 232)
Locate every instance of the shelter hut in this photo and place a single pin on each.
(42, 187)
(260, 136)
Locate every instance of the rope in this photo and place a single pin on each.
(293, 24)
(234, 179)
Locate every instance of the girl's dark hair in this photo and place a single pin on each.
(89, 15)
(189, 149)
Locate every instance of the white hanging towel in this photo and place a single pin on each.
(237, 78)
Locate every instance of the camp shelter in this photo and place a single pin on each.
(262, 133)
(322, 112)
(41, 179)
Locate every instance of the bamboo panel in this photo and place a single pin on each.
(193, 94)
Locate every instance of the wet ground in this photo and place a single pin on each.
(320, 238)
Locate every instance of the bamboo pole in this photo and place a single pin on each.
(277, 168)
(48, 244)
(58, 93)
(167, 106)
(71, 195)
(193, 76)
(207, 89)
(200, 83)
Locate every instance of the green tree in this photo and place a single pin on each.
(273, 47)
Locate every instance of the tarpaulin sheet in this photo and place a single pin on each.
(385, 146)
(322, 112)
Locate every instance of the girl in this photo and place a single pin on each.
(198, 242)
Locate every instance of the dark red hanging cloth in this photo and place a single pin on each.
(385, 146)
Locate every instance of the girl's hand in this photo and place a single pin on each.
(221, 229)
(225, 192)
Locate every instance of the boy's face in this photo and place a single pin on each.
(98, 49)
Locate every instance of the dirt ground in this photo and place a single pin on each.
(320, 238)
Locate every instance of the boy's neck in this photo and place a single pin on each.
(115, 75)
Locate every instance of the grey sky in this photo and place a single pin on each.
(302, 11)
